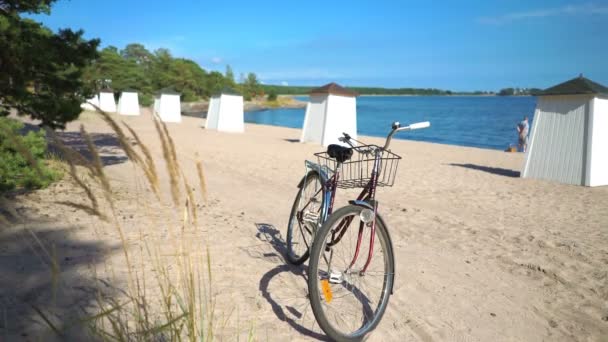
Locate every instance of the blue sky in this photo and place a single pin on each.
(457, 45)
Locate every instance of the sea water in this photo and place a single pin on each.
(477, 121)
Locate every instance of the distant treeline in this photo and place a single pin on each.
(519, 92)
(303, 90)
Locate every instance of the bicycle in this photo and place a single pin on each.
(335, 290)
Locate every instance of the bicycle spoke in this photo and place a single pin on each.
(305, 216)
(303, 235)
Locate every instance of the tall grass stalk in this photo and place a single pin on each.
(150, 167)
(169, 162)
(184, 309)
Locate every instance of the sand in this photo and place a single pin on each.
(481, 254)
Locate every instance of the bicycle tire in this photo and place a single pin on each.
(293, 257)
(349, 289)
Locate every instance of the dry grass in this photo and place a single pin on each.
(72, 157)
(150, 167)
(201, 179)
(184, 308)
(172, 168)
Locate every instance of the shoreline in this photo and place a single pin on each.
(282, 102)
(435, 95)
(396, 137)
(203, 115)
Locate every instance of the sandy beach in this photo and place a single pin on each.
(481, 254)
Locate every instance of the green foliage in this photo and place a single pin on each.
(41, 71)
(251, 87)
(124, 73)
(506, 92)
(135, 67)
(231, 83)
(28, 6)
(272, 95)
(22, 158)
(146, 100)
(215, 82)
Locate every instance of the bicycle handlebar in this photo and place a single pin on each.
(396, 127)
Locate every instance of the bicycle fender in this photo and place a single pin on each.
(367, 205)
(311, 172)
(326, 194)
(364, 204)
(322, 171)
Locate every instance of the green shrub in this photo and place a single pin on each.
(272, 95)
(146, 100)
(22, 158)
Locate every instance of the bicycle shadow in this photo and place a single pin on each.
(291, 308)
(489, 169)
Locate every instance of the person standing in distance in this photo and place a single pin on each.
(522, 128)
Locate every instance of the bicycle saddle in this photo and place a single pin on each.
(340, 153)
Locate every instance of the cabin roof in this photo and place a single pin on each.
(576, 86)
(334, 89)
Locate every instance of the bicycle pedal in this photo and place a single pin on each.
(335, 277)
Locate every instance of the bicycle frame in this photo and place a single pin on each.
(368, 195)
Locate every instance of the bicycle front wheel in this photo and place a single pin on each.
(348, 299)
(305, 218)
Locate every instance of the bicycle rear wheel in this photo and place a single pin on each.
(305, 218)
(347, 302)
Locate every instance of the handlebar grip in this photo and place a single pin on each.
(420, 125)
(346, 136)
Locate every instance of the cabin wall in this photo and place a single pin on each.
(213, 113)
(170, 108)
(341, 117)
(156, 105)
(558, 144)
(314, 120)
(128, 104)
(107, 102)
(598, 151)
(231, 114)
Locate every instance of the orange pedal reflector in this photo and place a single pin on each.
(326, 290)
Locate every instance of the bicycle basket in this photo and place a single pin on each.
(357, 172)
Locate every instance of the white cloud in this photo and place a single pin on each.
(284, 83)
(584, 9)
(216, 60)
